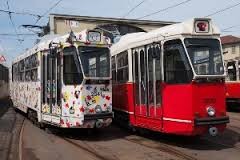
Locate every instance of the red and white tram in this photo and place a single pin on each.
(171, 79)
(233, 85)
(65, 81)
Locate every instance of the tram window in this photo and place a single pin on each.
(70, 72)
(95, 61)
(205, 52)
(136, 78)
(31, 64)
(113, 69)
(122, 67)
(14, 72)
(34, 75)
(21, 69)
(176, 67)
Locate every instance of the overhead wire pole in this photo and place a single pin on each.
(132, 9)
(222, 10)
(165, 9)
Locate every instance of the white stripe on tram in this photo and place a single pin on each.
(177, 120)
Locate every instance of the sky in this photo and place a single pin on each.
(10, 46)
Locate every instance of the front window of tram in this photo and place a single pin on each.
(95, 61)
(205, 55)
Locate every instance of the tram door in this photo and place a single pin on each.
(147, 78)
(51, 84)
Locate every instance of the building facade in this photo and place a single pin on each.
(231, 55)
(113, 27)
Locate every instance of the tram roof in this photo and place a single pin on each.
(43, 44)
(133, 40)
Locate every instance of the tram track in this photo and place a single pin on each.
(88, 149)
(20, 144)
(162, 147)
(95, 152)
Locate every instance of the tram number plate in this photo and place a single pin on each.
(55, 119)
(46, 118)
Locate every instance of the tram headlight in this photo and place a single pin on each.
(211, 111)
(98, 109)
(109, 109)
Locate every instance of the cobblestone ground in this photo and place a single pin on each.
(10, 126)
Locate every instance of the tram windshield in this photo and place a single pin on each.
(95, 61)
(205, 55)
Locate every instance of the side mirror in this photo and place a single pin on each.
(53, 52)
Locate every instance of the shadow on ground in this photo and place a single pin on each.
(4, 105)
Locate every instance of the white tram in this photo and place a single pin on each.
(65, 81)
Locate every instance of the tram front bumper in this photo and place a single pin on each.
(98, 116)
(212, 125)
(211, 121)
(99, 120)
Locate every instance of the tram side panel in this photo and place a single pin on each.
(25, 84)
(233, 93)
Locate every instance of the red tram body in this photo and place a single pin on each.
(232, 85)
(157, 84)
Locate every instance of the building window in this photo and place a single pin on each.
(122, 67)
(231, 67)
(233, 49)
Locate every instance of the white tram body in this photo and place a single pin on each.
(65, 81)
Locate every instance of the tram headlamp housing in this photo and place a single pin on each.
(98, 109)
(211, 111)
(109, 109)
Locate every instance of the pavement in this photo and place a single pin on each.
(10, 127)
(4, 105)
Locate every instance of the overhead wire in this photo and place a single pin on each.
(165, 9)
(13, 24)
(52, 7)
(222, 10)
(19, 13)
(19, 34)
(227, 28)
(133, 8)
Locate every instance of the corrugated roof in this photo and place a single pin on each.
(229, 39)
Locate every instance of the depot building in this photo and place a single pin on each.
(112, 27)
